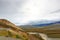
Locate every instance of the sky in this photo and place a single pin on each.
(22, 12)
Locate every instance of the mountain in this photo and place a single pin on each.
(10, 29)
(38, 24)
(45, 23)
(52, 27)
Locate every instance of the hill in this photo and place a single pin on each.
(12, 29)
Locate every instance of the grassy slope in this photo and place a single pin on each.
(14, 30)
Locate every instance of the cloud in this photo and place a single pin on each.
(56, 11)
(25, 11)
(9, 7)
(41, 9)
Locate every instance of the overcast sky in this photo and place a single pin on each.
(24, 11)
